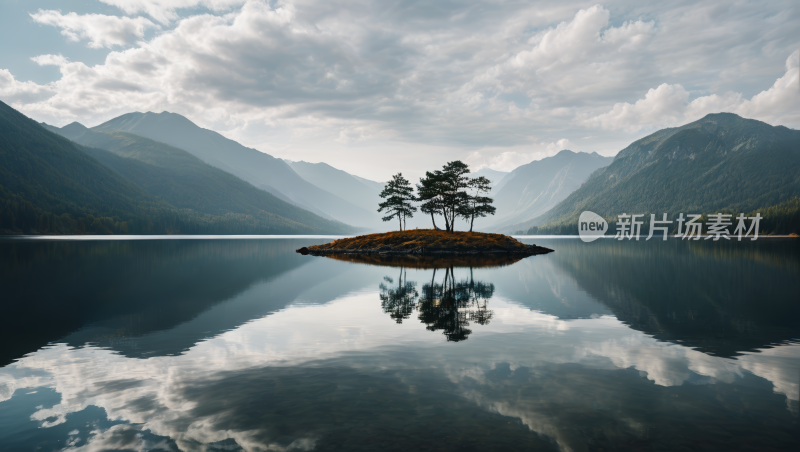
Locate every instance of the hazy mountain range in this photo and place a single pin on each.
(49, 184)
(531, 190)
(493, 175)
(176, 176)
(260, 169)
(150, 173)
(361, 192)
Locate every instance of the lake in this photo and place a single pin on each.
(242, 344)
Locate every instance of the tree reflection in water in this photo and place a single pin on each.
(449, 306)
(399, 302)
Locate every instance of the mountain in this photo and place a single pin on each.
(534, 188)
(184, 180)
(49, 184)
(493, 175)
(377, 186)
(340, 183)
(43, 176)
(721, 161)
(258, 168)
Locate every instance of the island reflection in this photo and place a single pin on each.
(429, 262)
(449, 306)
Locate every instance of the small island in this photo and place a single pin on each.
(427, 242)
(448, 193)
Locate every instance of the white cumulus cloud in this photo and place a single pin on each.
(307, 79)
(508, 160)
(574, 57)
(669, 105)
(15, 92)
(164, 11)
(100, 30)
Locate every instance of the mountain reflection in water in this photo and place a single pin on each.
(204, 345)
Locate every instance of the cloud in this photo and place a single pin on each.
(308, 78)
(668, 105)
(100, 30)
(51, 60)
(188, 397)
(573, 57)
(16, 92)
(507, 160)
(778, 103)
(664, 104)
(164, 11)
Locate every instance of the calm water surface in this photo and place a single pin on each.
(219, 345)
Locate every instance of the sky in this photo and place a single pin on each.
(378, 87)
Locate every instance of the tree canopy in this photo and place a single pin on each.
(446, 192)
(398, 195)
(476, 205)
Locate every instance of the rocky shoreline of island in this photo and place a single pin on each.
(426, 242)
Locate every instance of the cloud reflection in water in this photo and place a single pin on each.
(340, 373)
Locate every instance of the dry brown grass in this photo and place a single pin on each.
(423, 238)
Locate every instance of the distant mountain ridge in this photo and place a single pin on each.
(258, 168)
(361, 192)
(184, 180)
(51, 185)
(494, 176)
(534, 188)
(721, 161)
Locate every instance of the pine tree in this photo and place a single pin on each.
(429, 193)
(443, 192)
(477, 206)
(398, 195)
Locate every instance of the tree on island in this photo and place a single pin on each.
(476, 205)
(444, 192)
(428, 192)
(398, 196)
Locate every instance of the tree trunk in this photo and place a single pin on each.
(434, 222)
(471, 222)
(433, 284)
(400, 219)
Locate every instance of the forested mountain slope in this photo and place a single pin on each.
(721, 161)
(258, 168)
(184, 180)
(49, 184)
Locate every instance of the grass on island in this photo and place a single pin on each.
(425, 238)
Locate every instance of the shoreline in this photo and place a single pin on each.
(426, 242)
(533, 250)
